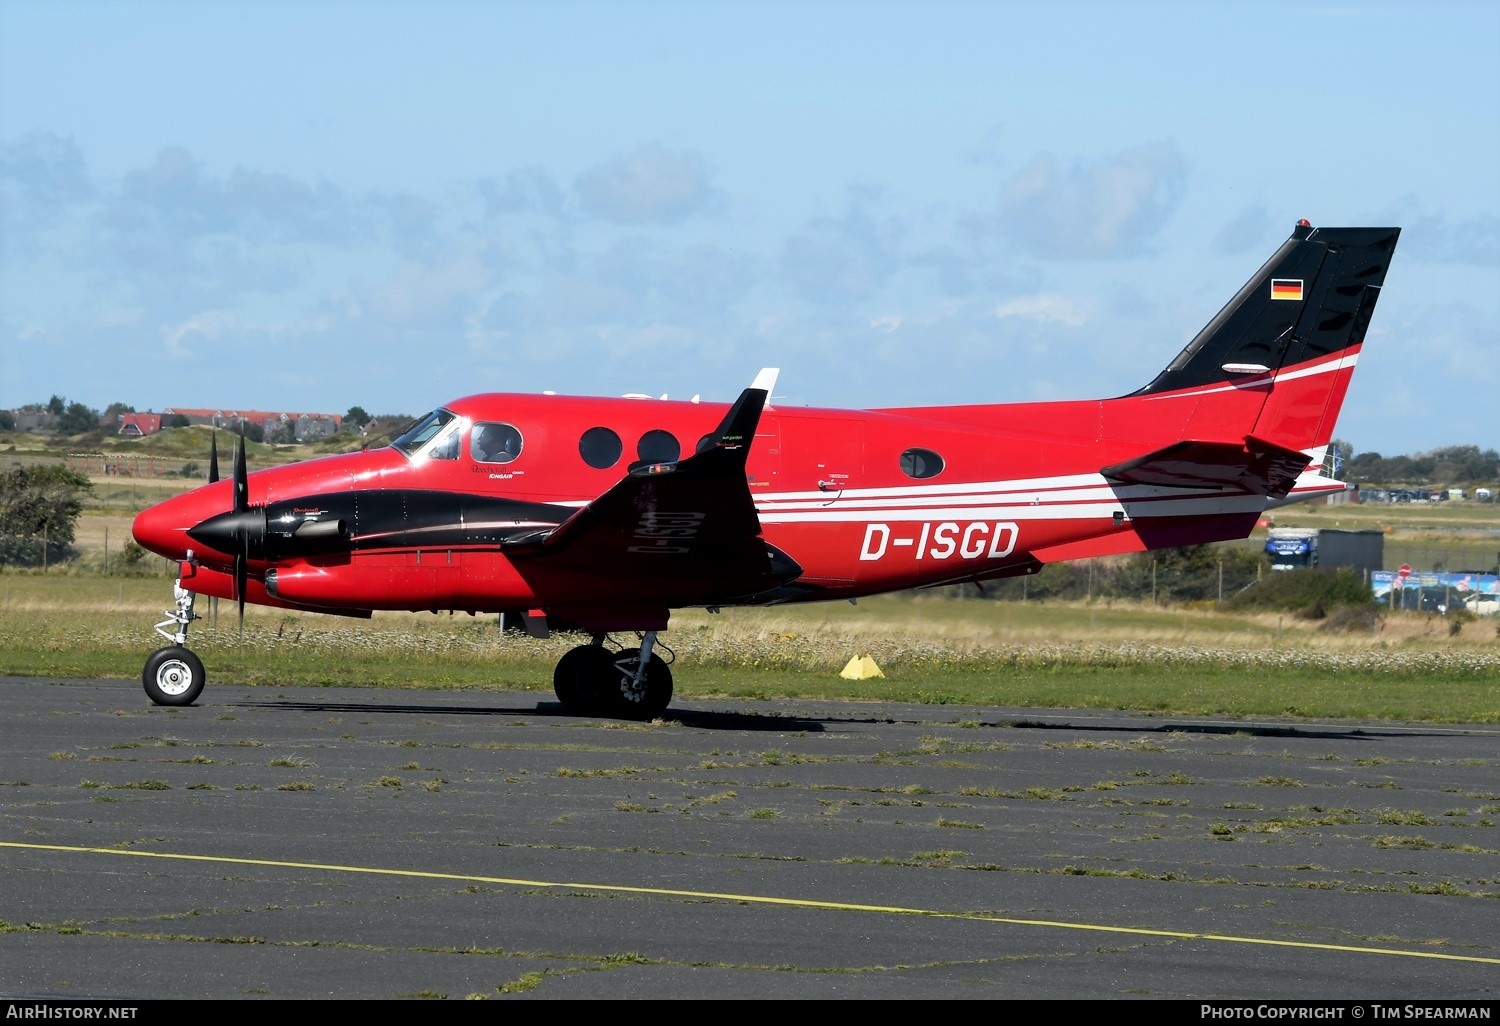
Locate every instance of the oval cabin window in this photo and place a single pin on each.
(921, 463)
(494, 443)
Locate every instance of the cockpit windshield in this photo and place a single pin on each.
(435, 437)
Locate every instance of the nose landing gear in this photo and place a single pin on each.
(174, 675)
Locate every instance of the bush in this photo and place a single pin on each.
(1352, 619)
(23, 551)
(1305, 591)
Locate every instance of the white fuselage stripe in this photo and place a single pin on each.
(1338, 363)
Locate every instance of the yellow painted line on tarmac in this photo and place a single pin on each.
(756, 899)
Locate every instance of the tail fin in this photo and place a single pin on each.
(1251, 402)
(1313, 298)
(1291, 336)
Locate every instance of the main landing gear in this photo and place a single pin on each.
(633, 684)
(174, 675)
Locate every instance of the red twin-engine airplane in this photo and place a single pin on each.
(530, 504)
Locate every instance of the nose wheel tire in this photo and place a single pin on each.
(173, 676)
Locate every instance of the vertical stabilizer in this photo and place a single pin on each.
(1276, 361)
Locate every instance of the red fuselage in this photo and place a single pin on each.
(862, 501)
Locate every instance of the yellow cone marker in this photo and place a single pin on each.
(860, 668)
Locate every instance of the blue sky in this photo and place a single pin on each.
(281, 205)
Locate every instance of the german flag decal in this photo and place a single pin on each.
(1286, 288)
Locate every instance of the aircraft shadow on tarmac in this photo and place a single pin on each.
(739, 720)
(688, 718)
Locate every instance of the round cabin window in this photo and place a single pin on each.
(600, 448)
(658, 447)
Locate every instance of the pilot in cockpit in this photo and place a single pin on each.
(495, 443)
(481, 443)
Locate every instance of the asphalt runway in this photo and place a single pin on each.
(383, 844)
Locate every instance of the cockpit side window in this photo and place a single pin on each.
(494, 443)
(434, 437)
(445, 445)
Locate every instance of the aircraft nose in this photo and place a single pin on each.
(163, 528)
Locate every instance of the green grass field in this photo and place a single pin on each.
(1408, 667)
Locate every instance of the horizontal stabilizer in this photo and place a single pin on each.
(1256, 466)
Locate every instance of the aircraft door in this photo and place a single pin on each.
(820, 454)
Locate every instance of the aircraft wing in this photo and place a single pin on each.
(1255, 466)
(683, 532)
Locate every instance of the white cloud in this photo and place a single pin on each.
(205, 326)
(1044, 306)
(1106, 209)
(842, 260)
(651, 185)
(416, 291)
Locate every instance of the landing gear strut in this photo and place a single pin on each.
(633, 684)
(174, 675)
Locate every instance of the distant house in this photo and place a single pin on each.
(139, 425)
(317, 425)
(34, 420)
(310, 427)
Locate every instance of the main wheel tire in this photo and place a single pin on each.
(173, 676)
(583, 680)
(652, 698)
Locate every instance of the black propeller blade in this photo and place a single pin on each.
(241, 476)
(241, 504)
(213, 475)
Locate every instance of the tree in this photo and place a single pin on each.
(1363, 466)
(356, 419)
(56, 405)
(1464, 463)
(176, 420)
(7, 421)
(78, 419)
(39, 506)
(111, 419)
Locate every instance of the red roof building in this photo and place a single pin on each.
(139, 425)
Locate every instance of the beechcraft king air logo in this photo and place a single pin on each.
(1286, 288)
